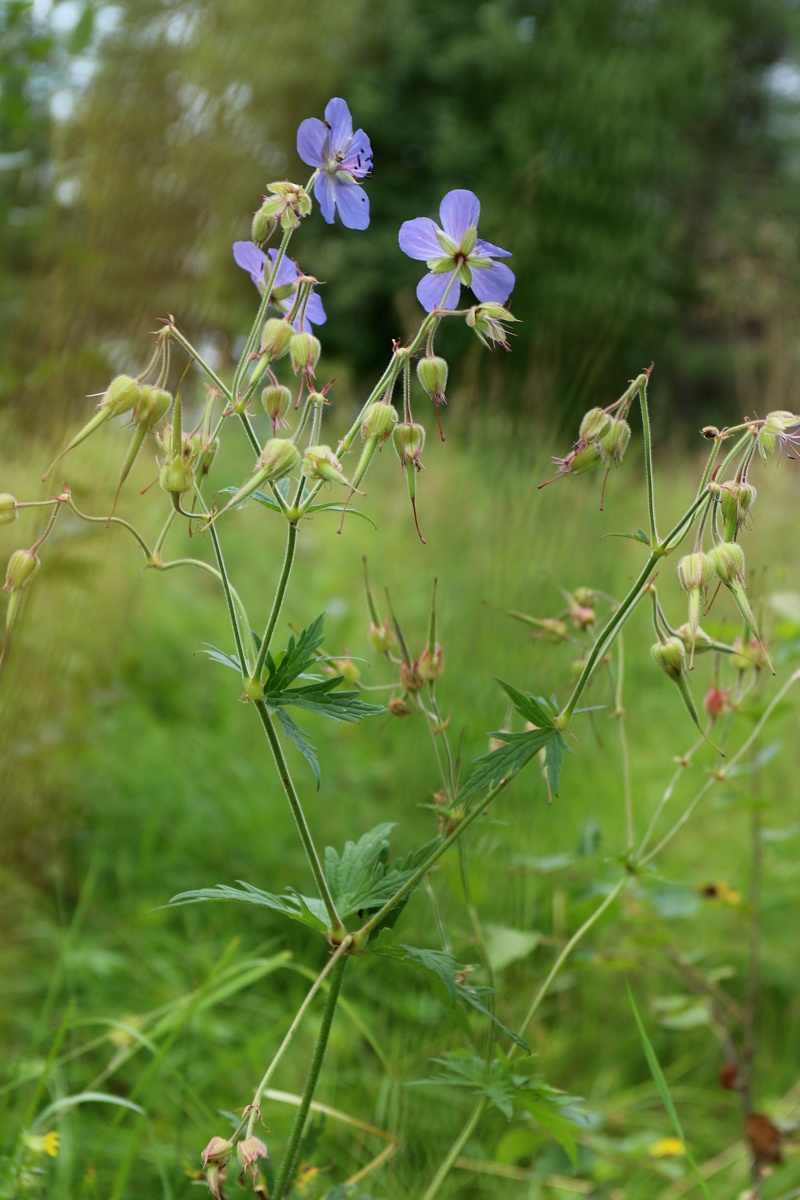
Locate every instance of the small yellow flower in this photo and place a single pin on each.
(43, 1143)
(719, 890)
(666, 1147)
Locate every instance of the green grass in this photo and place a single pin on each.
(130, 772)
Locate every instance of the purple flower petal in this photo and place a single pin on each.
(352, 202)
(248, 256)
(337, 115)
(492, 283)
(325, 192)
(315, 313)
(287, 271)
(458, 212)
(417, 239)
(311, 138)
(484, 248)
(358, 156)
(431, 291)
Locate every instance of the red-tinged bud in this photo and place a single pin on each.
(716, 702)
(248, 1152)
(398, 707)
(121, 395)
(410, 677)
(347, 669)
(614, 442)
(277, 401)
(409, 441)
(218, 1151)
(432, 374)
(595, 424)
(670, 656)
(22, 566)
(153, 404)
(275, 338)
(379, 422)
(581, 616)
(551, 629)
(319, 462)
(8, 508)
(304, 351)
(430, 665)
(380, 637)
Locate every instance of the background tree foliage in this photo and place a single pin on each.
(636, 155)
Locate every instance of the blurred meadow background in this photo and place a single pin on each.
(640, 158)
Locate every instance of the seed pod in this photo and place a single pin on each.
(379, 422)
(380, 637)
(430, 665)
(614, 442)
(596, 422)
(409, 441)
(319, 462)
(8, 508)
(275, 338)
(304, 351)
(432, 374)
(277, 401)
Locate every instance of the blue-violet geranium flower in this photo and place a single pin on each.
(341, 158)
(455, 255)
(250, 258)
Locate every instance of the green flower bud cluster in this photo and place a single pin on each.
(489, 322)
(286, 206)
(735, 499)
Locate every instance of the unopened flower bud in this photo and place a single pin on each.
(275, 338)
(594, 425)
(278, 458)
(8, 508)
(152, 404)
(319, 462)
(293, 200)
(304, 351)
(727, 559)
(614, 442)
(430, 664)
(432, 374)
(409, 440)
(584, 459)
(277, 401)
(716, 701)
(379, 421)
(218, 1151)
(348, 670)
(121, 395)
(177, 475)
(265, 222)
(22, 566)
(249, 1151)
(585, 596)
(670, 656)
(736, 498)
(410, 677)
(380, 637)
(695, 571)
(398, 707)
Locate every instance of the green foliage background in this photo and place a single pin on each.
(640, 164)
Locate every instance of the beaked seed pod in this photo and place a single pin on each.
(153, 403)
(319, 462)
(430, 665)
(409, 441)
(121, 395)
(670, 656)
(177, 475)
(277, 401)
(614, 442)
(727, 559)
(380, 637)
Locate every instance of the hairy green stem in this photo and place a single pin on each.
(277, 603)
(187, 345)
(337, 929)
(454, 1152)
(341, 950)
(648, 460)
(113, 521)
(244, 659)
(256, 327)
(286, 1170)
